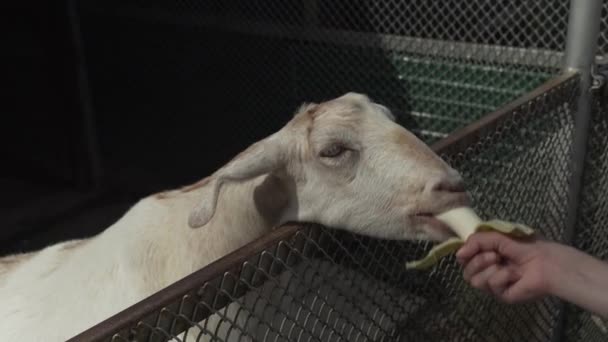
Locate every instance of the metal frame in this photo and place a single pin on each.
(583, 30)
(581, 47)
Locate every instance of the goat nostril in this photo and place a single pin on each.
(452, 185)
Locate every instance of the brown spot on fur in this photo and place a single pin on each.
(162, 195)
(241, 154)
(201, 183)
(414, 147)
(303, 117)
(8, 263)
(307, 109)
(401, 138)
(187, 188)
(72, 244)
(314, 111)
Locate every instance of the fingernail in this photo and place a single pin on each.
(459, 253)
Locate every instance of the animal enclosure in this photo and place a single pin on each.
(493, 86)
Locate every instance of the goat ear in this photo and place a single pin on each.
(263, 157)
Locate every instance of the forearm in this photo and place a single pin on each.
(582, 280)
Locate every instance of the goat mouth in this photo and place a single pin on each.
(461, 199)
(427, 219)
(435, 228)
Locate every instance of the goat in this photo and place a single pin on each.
(340, 163)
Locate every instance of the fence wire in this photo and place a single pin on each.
(438, 64)
(603, 40)
(592, 226)
(539, 25)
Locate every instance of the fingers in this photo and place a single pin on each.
(481, 279)
(479, 263)
(498, 280)
(501, 280)
(492, 262)
(482, 242)
(530, 286)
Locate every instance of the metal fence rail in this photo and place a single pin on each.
(310, 283)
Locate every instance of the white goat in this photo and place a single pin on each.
(342, 163)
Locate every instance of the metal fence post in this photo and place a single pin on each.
(581, 47)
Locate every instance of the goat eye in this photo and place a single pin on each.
(333, 151)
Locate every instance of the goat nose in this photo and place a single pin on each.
(450, 183)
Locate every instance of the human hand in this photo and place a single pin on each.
(512, 270)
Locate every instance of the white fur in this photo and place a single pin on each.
(375, 187)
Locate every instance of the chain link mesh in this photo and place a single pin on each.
(330, 285)
(530, 25)
(592, 230)
(439, 65)
(603, 39)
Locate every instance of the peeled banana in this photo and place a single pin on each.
(465, 222)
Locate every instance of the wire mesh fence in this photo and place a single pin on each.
(591, 230)
(318, 284)
(439, 65)
(603, 40)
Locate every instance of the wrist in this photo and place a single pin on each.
(562, 268)
(576, 277)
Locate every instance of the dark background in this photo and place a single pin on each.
(51, 182)
(105, 102)
(81, 144)
(108, 101)
(46, 175)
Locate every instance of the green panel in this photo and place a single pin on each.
(437, 96)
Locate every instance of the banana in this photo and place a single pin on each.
(465, 222)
